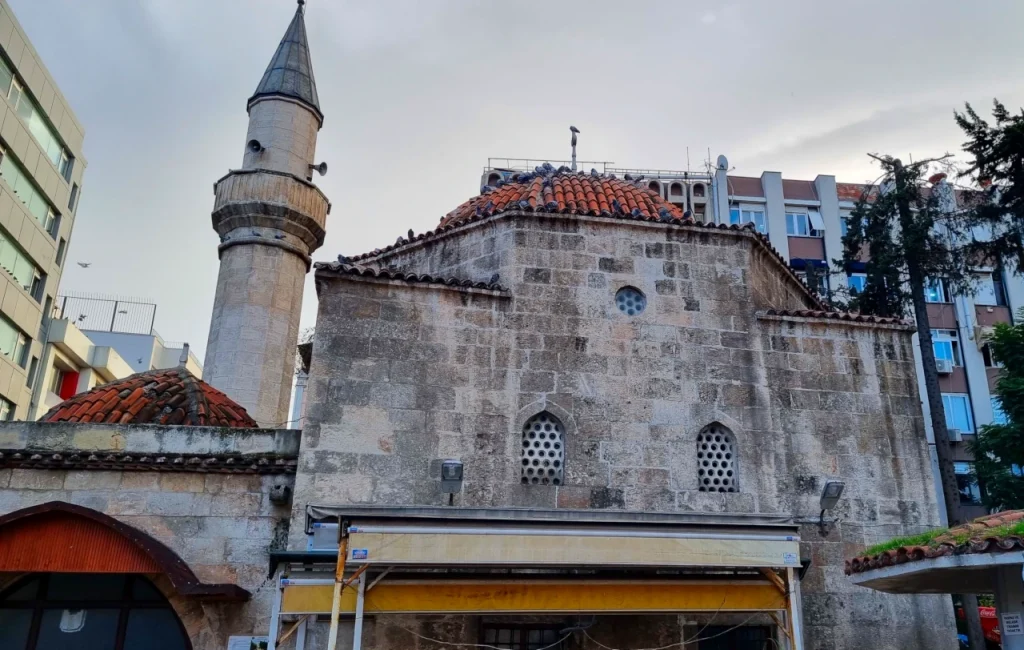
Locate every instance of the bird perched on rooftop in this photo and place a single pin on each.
(342, 259)
(593, 172)
(411, 234)
(495, 278)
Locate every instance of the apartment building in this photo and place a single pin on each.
(41, 169)
(93, 340)
(805, 221)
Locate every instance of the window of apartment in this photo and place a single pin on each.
(998, 415)
(20, 267)
(56, 380)
(520, 637)
(815, 281)
(26, 191)
(33, 368)
(805, 224)
(958, 412)
(989, 291)
(856, 282)
(947, 346)
(967, 483)
(935, 291)
(13, 343)
(741, 214)
(986, 355)
(6, 410)
(37, 124)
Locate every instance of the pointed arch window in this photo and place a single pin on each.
(717, 462)
(543, 450)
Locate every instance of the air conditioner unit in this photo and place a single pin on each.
(943, 366)
(955, 435)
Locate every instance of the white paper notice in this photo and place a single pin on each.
(1012, 624)
(248, 642)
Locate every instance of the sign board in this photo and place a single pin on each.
(248, 642)
(1012, 624)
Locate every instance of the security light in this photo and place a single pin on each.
(829, 498)
(831, 493)
(451, 476)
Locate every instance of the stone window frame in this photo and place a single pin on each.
(569, 436)
(731, 462)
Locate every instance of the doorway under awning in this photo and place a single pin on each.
(363, 560)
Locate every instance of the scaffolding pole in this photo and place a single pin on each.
(357, 629)
(339, 578)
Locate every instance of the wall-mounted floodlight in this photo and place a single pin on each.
(451, 478)
(830, 495)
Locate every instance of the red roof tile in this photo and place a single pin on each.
(387, 274)
(565, 192)
(851, 317)
(170, 396)
(979, 536)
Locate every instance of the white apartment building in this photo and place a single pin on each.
(92, 340)
(41, 169)
(805, 221)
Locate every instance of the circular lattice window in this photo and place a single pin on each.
(543, 450)
(630, 300)
(716, 460)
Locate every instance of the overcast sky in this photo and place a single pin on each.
(418, 94)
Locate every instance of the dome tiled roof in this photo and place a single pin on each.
(171, 396)
(562, 191)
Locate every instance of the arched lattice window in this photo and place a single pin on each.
(87, 611)
(543, 450)
(717, 466)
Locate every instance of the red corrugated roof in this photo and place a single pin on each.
(745, 186)
(171, 396)
(853, 191)
(799, 190)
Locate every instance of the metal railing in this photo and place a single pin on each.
(105, 313)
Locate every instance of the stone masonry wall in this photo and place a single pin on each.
(254, 329)
(221, 525)
(404, 376)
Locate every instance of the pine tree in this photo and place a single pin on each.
(914, 239)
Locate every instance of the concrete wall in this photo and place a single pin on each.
(405, 375)
(221, 525)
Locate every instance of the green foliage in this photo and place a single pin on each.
(929, 538)
(932, 239)
(997, 167)
(921, 539)
(1001, 446)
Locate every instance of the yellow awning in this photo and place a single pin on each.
(537, 597)
(404, 546)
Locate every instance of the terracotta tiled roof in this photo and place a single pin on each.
(562, 191)
(853, 191)
(838, 315)
(986, 534)
(226, 463)
(170, 396)
(386, 274)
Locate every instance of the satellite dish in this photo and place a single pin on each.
(254, 146)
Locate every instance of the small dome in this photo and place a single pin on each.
(171, 396)
(561, 191)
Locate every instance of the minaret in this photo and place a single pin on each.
(270, 218)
